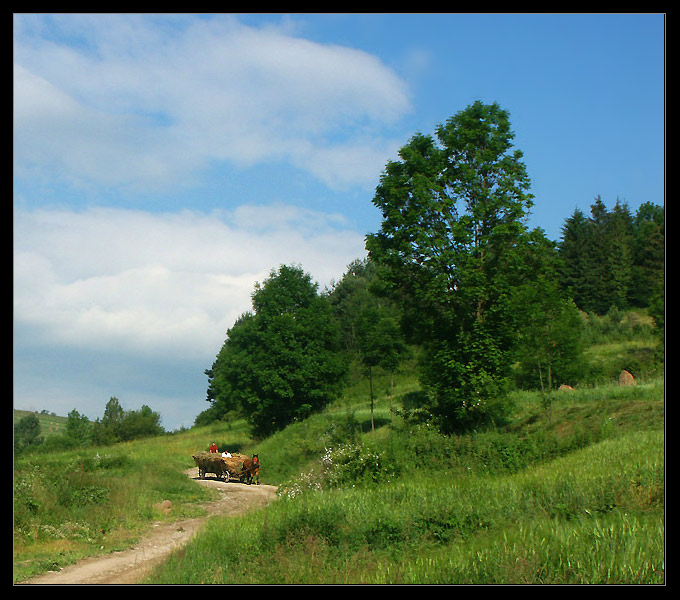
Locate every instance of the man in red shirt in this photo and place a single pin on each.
(213, 448)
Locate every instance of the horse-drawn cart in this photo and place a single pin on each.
(236, 467)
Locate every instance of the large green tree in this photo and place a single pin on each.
(281, 361)
(451, 245)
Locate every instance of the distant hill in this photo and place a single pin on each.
(49, 424)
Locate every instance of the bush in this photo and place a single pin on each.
(346, 466)
(354, 464)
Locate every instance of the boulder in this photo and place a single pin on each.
(165, 507)
(626, 378)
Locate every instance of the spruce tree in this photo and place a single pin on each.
(574, 251)
(619, 256)
(648, 250)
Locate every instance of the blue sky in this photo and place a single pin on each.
(163, 164)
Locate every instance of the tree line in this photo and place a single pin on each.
(116, 425)
(614, 258)
(454, 277)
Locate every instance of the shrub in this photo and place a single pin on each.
(347, 465)
(355, 464)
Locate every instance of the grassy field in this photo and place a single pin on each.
(49, 424)
(578, 500)
(576, 496)
(72, 504)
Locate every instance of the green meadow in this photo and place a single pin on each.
(578, 499)
(574, 494)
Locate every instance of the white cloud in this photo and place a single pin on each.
(160, 284)
(136, 100)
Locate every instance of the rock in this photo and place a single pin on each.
(626, 378)
(165, 507)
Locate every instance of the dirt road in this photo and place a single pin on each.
(130, 566)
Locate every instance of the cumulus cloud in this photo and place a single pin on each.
(140, 100)
(114, 301)
(160, 284)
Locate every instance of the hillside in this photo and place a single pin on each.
(575, 499)
(404, 504)
(49, 424)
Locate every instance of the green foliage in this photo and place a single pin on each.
(27, 434)
(452, 246)
(118, 425)
(594, 474)
(550, 349)
(86, 501)
(78, 428)
(280, 363)
(574, 519)
(468, 482)
(613, 259)
(352, 295)
(344, 466)
(50, 423)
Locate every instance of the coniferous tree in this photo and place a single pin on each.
(612, 259)
(575, 253)
(597, 274)
(648, 251)
(619, 257)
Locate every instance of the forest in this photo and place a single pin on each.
(455, 281)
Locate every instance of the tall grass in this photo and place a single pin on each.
(519, 504)
(616, 548)
(539, 525)
(77, 503)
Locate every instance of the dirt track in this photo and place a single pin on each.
(130, 566)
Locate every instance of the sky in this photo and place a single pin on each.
(165, 163)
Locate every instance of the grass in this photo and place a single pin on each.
(576, 496)
(77, 503)
(575, 499)
(49, 424)
(576, 519)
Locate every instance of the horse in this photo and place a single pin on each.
(251, 469)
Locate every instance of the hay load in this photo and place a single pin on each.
(208, 462)
(625, 378)
(234, 464)
(222, 467)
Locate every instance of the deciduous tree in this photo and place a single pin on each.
(451, 242)
(280, 362)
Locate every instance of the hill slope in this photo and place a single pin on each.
(402, 504)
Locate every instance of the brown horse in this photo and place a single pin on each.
(251, 469)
